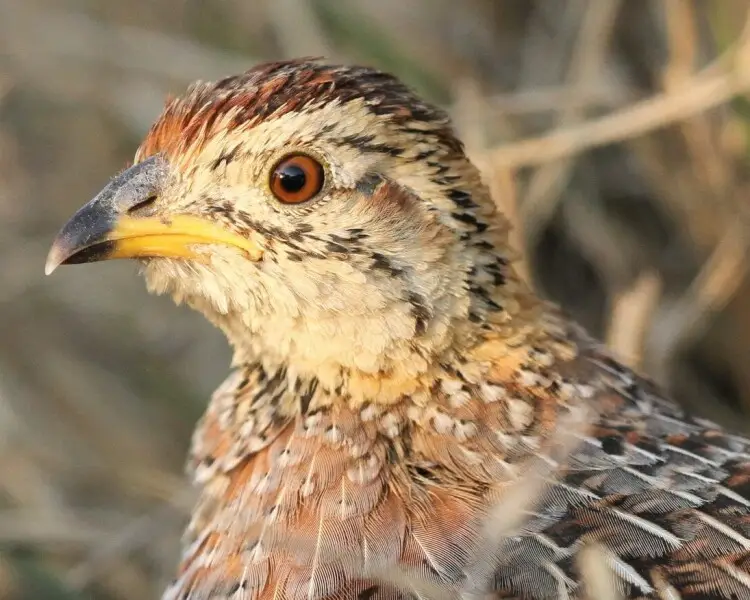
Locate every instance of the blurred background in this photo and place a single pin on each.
(613, 132)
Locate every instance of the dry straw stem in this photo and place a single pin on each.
(665, 590)
(557, 98)
(692, 167)
(112, 549)
(710, 87)
(301, 36)
(60, 35)
(589, 55)
(593, 561)
(53, 530)
(683, 43)
(139, 67)
(630, 318)
(716, 284)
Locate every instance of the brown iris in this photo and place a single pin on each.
(296, 178)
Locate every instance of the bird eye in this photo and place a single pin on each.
(296, 178)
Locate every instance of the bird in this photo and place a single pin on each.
(395, 380)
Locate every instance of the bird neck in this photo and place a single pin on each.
(498, 307)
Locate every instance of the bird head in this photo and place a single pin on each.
(323, 216)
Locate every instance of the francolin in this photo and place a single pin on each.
(394, 380)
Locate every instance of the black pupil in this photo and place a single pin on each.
(292, 178)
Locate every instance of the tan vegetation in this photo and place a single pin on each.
(615, 133)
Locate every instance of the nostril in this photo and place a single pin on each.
(142, 204)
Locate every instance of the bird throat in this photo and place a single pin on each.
(493, 303)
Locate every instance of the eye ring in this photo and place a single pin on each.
(296, 178)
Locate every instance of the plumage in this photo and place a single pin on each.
(394, 379)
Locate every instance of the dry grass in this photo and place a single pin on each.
(615, 135)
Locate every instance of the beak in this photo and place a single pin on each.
(105, 229)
